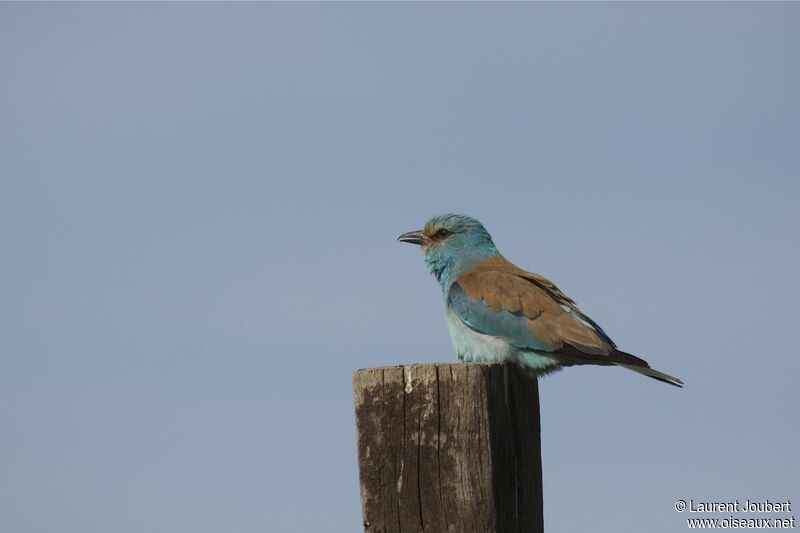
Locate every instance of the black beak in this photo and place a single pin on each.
(414, 237)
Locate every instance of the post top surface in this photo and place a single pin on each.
(423, 365)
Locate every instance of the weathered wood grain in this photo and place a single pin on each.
(449, 448)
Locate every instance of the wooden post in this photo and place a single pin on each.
(449, 448)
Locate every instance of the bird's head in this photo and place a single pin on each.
(452, 244)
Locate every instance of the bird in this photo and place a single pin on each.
(498, 312)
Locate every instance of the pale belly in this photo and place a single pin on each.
(472, 346)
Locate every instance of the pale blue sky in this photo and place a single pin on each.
(197, 241)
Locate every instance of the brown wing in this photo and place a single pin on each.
(501, 285)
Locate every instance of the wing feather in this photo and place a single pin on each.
(499, 299)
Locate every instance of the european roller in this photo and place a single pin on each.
(497, 312)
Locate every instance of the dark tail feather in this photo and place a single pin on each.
(631, 362)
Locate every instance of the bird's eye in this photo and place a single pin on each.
(442, 233)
